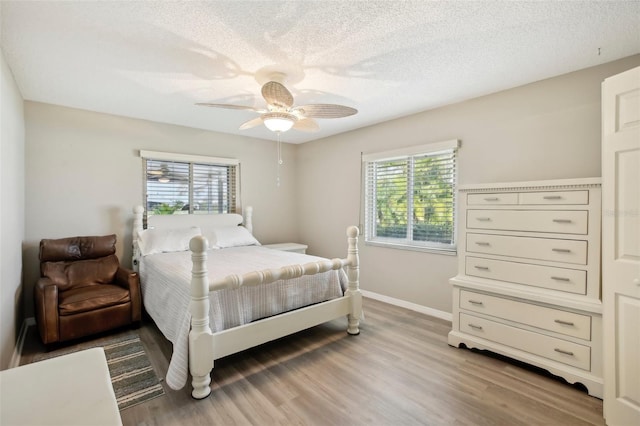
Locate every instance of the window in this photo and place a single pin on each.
(188, 184)
(410, 197)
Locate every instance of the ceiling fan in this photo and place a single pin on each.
(281, 115)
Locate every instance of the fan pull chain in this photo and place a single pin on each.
(279, 149)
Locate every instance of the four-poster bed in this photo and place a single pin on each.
(248, 294)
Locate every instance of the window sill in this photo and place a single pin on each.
(443, 251)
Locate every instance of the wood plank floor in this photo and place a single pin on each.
(398, 371)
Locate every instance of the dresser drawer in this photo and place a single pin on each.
(558, 321)
(555, 250)
(545, 346)
(561, 279)
(492, 199)
(555, 197)
(551, 221)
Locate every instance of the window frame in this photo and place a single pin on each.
(192, 160)
(408, 153)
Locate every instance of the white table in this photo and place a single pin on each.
(72, 389)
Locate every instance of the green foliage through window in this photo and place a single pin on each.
(164, 208)
(410, 200)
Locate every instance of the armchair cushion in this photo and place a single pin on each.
(91, 297)
(67, 275)
(77, 248)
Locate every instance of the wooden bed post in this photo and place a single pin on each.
(200, 343)
(138, 211)
(248, 218)
(353, 275)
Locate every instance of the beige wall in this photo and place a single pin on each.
(12, 224)
(544, 130)
(83, 172)
(84, 176)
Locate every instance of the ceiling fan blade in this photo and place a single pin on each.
(276, 94)
(179, 178)
(251, 123)
(326, 111)
(306, 125)
(229, 106)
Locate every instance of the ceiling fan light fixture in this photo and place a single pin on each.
(279, 122)
(163, 179)
(281, 114)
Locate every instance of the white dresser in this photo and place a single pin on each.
(528, 283)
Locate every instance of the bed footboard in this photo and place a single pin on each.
(205, 347)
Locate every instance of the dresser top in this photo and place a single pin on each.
(534, 185)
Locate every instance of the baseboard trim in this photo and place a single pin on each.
(22, 335)
(408, 305)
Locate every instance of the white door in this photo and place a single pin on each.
(621, 247)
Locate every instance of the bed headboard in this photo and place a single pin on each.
(187, 220)
(204, 221)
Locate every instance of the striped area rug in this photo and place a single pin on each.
(132, 376)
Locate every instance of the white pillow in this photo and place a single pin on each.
(231, 236)
(153, 241)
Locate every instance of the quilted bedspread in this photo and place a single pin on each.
(165, 281)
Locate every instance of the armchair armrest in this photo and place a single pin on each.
(46, 301)
(126, 278)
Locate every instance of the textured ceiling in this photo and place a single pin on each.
(154, 60)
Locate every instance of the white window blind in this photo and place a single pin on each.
(410, 197)
(189, 187)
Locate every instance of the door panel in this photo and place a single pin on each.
(628, 388)
(621, 247)
(627, 203)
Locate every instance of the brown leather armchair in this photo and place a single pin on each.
(83, 290)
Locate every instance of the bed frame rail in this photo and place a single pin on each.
(267, 276)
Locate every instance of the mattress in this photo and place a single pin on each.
(165, 282)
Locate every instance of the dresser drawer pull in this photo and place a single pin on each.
(476, 302)
(492, 199)
(484, 219)
(552, 197)
(477, 327)
(563, 322)
(562, 220)
(482, 268)
(563, 352)
(482, 243)
(561, 250)
(560, 279)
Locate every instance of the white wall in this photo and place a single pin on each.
(12, 225)
(83, 173)
(544, 130)
(84, 176)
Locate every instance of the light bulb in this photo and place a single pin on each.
(279, 121)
